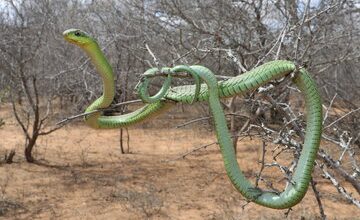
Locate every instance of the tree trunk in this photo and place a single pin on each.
(9, 157)
(28, 150)
(122, 141)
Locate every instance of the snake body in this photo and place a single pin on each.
(212, 91)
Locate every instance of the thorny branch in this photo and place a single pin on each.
(289, 143)
(339, 188)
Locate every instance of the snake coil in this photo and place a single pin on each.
(211, 91)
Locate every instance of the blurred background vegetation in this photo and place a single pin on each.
(45, 79)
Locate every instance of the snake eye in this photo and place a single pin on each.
(77, 33)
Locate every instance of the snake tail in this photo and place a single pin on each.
(297, 189)
(211, 91)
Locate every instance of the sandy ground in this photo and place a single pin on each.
(83, 175)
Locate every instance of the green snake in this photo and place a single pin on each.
(212, 91)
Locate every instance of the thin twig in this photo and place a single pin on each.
(262, 164)
(328, 108)
(281, 43)
(184, 55)
(157, 63)
(339, 188)
(321, 12)
(66, 120)
(280, 37)
(232, 56)
(298, 38)
(51, 130)
(330, 162)
(315, 16)
(318, 198)
(207, 118)
(182, 156)
(342, 117)
(193, 121)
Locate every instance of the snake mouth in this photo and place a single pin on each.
(76, 42)
(70, 40)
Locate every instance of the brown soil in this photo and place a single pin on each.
(83, 175)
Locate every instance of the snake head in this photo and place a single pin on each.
(78, 37)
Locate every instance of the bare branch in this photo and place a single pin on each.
(341, 118)
(298, 38)
(318, 198)
(68, 119)
(340, 189)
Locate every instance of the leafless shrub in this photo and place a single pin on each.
(42, 73)
(146, 202)
(84, 156)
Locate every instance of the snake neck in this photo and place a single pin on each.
(104, 69)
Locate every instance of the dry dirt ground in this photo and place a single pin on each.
(83, 175)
